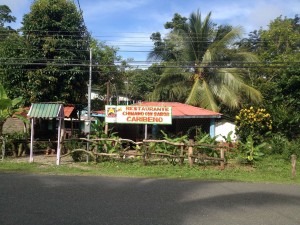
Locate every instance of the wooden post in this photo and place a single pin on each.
(31, 141)
(58, 151)
(181, 159)
(3, 147)
(190, 152)
(293, 158)
(144, 152)
(222, 164)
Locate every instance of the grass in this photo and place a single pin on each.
(269, 169)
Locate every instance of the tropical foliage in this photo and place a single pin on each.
(253, 122)
(6, 107)
(203, 63)
(278, 50)
(197, 62)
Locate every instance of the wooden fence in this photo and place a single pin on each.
(148, 149)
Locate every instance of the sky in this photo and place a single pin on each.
(128, 24)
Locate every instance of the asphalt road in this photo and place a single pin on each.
(42, 200)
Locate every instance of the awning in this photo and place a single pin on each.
(46, 110)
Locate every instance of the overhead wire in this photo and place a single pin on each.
(119, 44)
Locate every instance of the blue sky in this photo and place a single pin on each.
(128, 24)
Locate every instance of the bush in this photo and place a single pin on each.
(104, 145)
(293, 147)
(73, 144)
(17, 143)
(279, 144)
(249, 151)
(204, 139)
(253, 122)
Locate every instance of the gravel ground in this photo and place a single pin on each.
(41, 158)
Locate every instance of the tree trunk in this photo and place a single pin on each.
(20, 149)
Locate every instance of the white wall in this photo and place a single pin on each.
(222, 128)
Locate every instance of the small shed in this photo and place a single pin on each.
(71, 121)
(46, 111)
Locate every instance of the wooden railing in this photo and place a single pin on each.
(146, 149)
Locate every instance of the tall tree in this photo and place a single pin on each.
(5, 16)
(279, 51)
(105, 72)
(11, 44)
(209, 53)
(56, 52)
(141, 83)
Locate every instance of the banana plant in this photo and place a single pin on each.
(252, 152)
(7, 107)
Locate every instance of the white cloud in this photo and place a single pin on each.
(133, 21)
(94, 9)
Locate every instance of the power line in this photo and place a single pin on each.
(244, 66)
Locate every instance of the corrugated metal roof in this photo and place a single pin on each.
(44, 110)
(180, 110)
(68, 111)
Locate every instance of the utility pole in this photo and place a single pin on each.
(89, 104)
(107, 103)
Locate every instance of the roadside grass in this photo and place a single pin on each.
(271, 169)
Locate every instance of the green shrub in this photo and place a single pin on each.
(249, 151)
(73, 144)
(204, 139)
(253, 122)
(104, 145)
(17, 143)
(293, 147)
(277, 144)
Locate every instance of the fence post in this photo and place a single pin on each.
(181, 158)
(293, 158)
(190, 152)
(222, 153)
(144, 151)
(3, 147)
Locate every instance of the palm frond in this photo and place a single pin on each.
(153, 55)
(174, 84)
(254, 95)
(202, 96)
(232, 80)
(247, 57)
(228, 96)
(227, 40)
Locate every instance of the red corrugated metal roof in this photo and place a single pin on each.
(181, 110)
(23, 112)
(68, 110)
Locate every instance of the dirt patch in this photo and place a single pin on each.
(42, 159)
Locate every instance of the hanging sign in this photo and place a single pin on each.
(136, 114)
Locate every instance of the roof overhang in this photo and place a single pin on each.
(184, 111)
(46, 110)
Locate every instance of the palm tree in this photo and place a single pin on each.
(209, 54)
